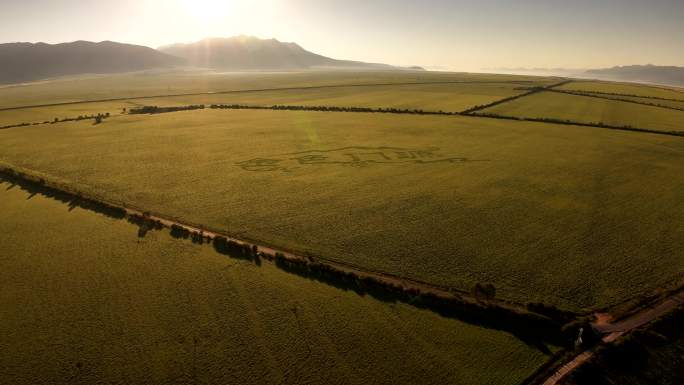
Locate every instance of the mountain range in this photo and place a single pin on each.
(25, 62)
(246, 53)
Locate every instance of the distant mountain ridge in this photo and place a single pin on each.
(250, 53)
(643, 73)
(24, 62)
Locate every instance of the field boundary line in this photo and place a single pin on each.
(226, 92)
(532, 91)
(598, 96)
(390, 110)
(663, 87)
(490, 313)
(619, 94)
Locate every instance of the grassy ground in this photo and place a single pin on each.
(83, 300)
(573, 216)
(155, 83)
(591, 110)
(433, 97)
(626, 88)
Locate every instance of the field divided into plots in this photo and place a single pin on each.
(449, 200)
(573, 216)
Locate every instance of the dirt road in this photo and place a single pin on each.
(613, 330)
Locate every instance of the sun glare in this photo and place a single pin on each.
(210, 10)
(202, 18)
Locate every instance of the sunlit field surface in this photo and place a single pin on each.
(626, 89)
(85, 301)
(586, 109)
(572, 216)
(646, 100)
(451, 97)
(156, 83)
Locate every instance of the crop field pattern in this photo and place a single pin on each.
(578, 217)
(586, 109)
(445, 199)
(625, 89)
(86, 301)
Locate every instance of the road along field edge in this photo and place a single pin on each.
(606, 331)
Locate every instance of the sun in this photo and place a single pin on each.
(196, 19)
(210, 11)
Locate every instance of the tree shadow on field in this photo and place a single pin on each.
(144, 224)
(38, 187)
(531, 330)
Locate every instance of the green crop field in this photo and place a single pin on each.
(643, 100)
(154, 83)
(586, 109)
(626, 89)
(84, 300)
(431, 97)
(572, 216)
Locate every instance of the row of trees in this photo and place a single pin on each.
(226, 246)
(574, 123)
(162, 110)
(547, 327)
(99, 118)
(600, 95)
(388, 110)
(39, 185)
(528, 324)
(583, 92)
(530, 91)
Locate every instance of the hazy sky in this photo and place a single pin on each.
(458, 35)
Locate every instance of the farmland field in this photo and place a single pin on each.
(154, 83)
(666, 103)
(625, 89)
(573, 216)
(586, 109)
(84, 300)
(432, 97)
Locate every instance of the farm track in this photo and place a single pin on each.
(612, 331)
(522, 83)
